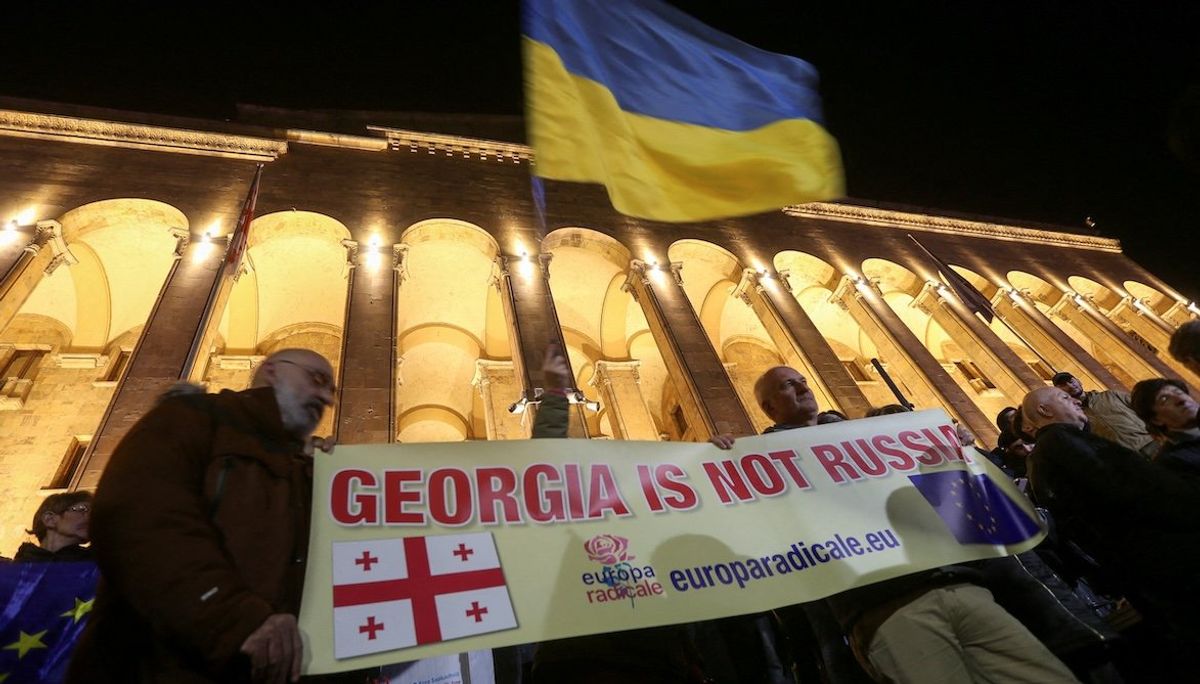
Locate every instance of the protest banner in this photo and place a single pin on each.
(420, 550)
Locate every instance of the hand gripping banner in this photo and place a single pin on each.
(420, 550)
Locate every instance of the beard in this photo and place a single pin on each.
(299, 417)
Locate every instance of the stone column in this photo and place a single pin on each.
(1055, 345)
(366, 400)
(620, 387)
(801, 343)
(167, 349)
(498, 386)
(1180, 313)
(1139, 317)
(524, 284)
(709, 401)
(908, 360)
(44, 252)
(997, 360)
(1138, 364)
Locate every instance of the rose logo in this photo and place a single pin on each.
(608, 549)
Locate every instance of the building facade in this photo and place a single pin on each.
(420, 265)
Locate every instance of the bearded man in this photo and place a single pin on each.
(200, 525)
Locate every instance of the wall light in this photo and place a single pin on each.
(518, 407)
(204, 248)
(525, 264)
(577, 397)
(374, 256)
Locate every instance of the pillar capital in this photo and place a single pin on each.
(183, 238)
(400, 260)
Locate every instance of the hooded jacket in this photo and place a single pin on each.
(32, 553)
(200, 528)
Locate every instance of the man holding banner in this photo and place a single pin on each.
(937, 625)
(201, 532)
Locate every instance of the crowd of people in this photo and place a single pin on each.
(200, 528)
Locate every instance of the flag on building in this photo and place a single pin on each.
(974, 508)
(972, 298)
(679, 122)
(241, 232)
(390, 594)
(45, 608)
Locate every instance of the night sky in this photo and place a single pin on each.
(1034, 110)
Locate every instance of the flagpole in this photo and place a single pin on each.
(218, 294)
(1002, 319)
(887, 379)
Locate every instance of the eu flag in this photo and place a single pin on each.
(679, 122)
(974, 508)
(45, 610)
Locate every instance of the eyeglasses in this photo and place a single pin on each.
(79, 508)
(319, 379)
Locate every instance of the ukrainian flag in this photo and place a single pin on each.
(680, 122)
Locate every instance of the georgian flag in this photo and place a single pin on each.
(390, 594)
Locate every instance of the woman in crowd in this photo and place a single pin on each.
(61, 527)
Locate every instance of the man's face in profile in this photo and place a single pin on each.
(1071, 386)
(304, 387)
(786, 398)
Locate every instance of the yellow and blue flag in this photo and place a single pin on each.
(679, 121)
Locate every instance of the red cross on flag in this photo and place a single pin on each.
(390, 594)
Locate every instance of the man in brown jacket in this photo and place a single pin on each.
(200, 525)
(1110, 415)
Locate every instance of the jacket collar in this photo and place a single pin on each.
(248, 423)
(1058, 427)
(780, 427)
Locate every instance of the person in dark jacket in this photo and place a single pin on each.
(1138, 520)
(933, 626)
(61, 527)
(201, 530)
(1171, 414)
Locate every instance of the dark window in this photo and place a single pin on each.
(681, 425)
(974, 376)
(855, 369)
(119, 366)
(1044, 372)
(69, 464)
(22, 364)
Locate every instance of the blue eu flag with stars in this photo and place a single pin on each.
(974, 508)
(45, 607)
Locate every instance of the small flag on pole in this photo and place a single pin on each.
(241, 232)
(971, 297)
(679, 122)
(390, 594)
